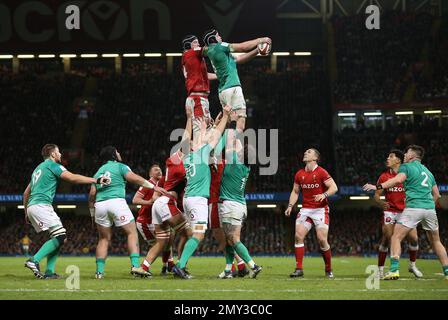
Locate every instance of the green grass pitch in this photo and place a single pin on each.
(17, 282)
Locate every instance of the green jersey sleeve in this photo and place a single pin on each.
(57, 169)
(124, 169)
(404, 169)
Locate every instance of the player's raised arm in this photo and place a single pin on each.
(248, 45)
(293, 197)
(133, 178)
(398, 179)
(246, 57)
(216, 135)
(80, 179)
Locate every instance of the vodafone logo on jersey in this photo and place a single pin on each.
(309, 185)
(396, 189)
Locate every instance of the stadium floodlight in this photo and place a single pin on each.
(299, 206)
(359, 197)
(302, 53)
(153, 55)
(110, 55)
(432, 111)
(281, 53)
(266, 206)
(138, 206)
(402, 113)
(131, 55)
(20, 206)
(174, 54)
(89, 55)
(46, 56)
(6, 56)
(66, 206)
(373, 113)
(25, 56)
(382, 197)
(346, 114)
(67, 55)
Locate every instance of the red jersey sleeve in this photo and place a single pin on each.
(381, 179)
(324, 175)
(143, 191)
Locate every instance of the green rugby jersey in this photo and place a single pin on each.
(44, 182)
(234, 179)
(117, 188)
(418, 185)
(224, 65)
(197, 172)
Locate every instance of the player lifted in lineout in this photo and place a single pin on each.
(421, 195)
(316, 186)
(37, 202)
(224, 64)
(145, 198)
(393, 208)
(108, 206)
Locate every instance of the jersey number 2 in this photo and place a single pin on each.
(425, 180)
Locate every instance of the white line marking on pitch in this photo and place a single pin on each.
(219, 290)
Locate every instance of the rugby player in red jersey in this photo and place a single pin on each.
(165, 211)
(393, 208)
(316, 186)
(144, 198)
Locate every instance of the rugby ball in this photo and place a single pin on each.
(264, 48)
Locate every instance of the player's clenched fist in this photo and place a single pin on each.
(288, 211)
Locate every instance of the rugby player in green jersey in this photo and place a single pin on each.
(232, 209)
(108, 205)
(197, 190)
(37, 202)
(224, 65)
(421, 196)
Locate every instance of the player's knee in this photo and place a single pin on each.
(59, 234)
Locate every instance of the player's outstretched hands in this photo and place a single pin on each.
(369, 187)
(227, 110)
(266, 39)
(104, 181)
(319, 197)
(288, 211)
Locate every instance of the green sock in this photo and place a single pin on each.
(47, 248)
(445, 270)
(135, 257)
(51, 262)
(190, 247)
(230, 255)
(394, 265)
(242, 251)
(100, 264)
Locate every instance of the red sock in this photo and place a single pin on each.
(165, 257)
(300, 252)
(381, 258)
(412, 255)
(326, 255)
(233, 267)
(241, 265)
